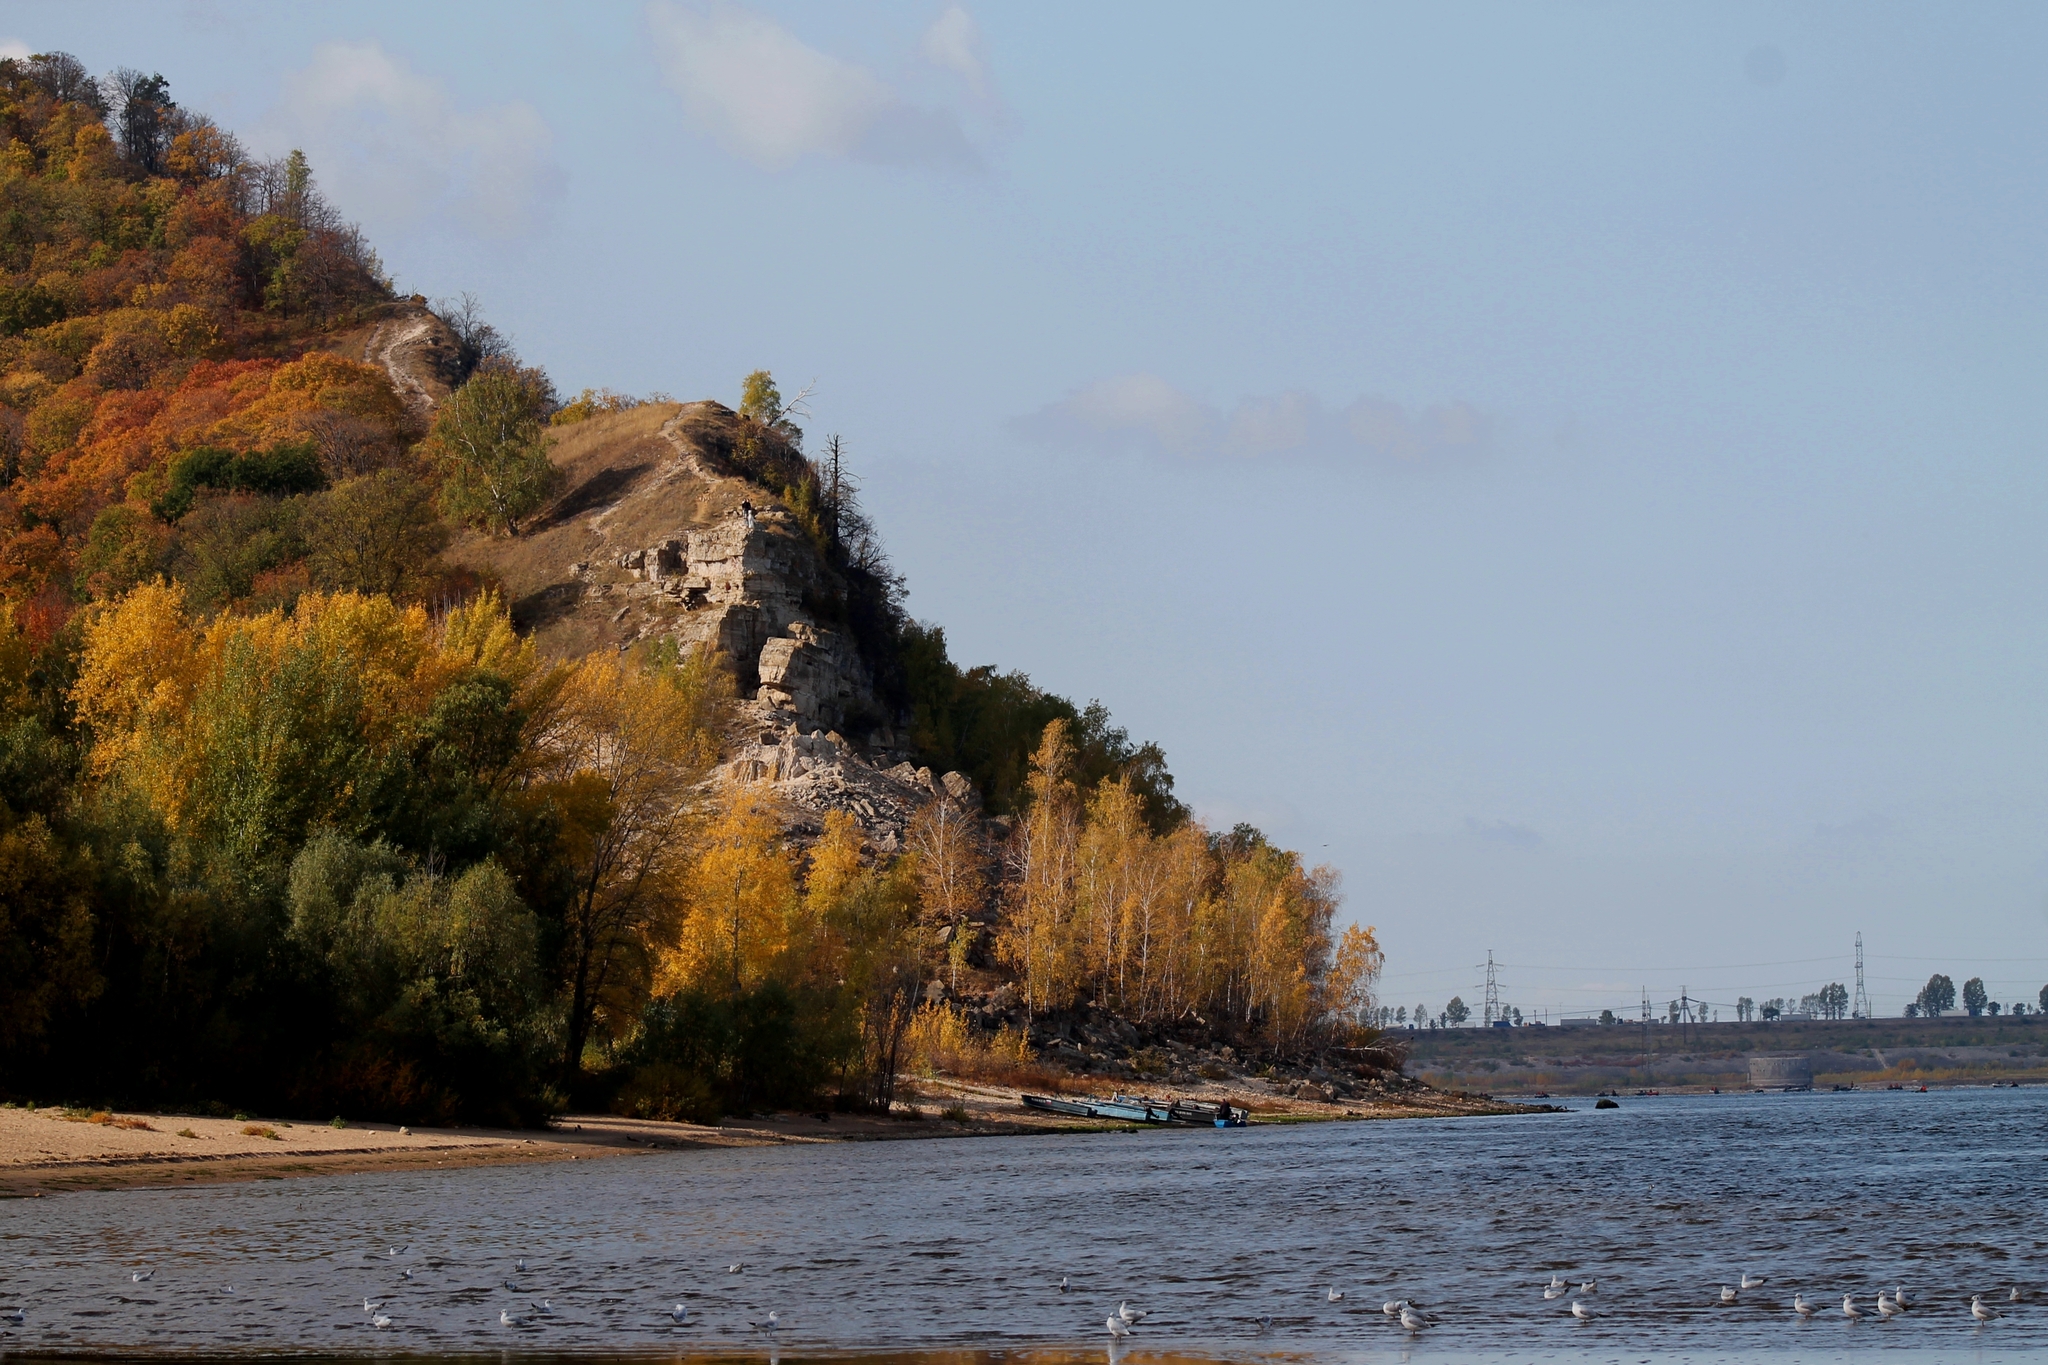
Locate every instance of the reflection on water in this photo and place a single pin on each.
(908, 1248)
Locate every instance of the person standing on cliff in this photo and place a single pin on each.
(747, 514)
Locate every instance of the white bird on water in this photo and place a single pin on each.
(1801, 1306)
(767, 1324)
(1750, 1281)
(1336, 1294)
(546, 1308)
(505, 1317)
(1118, 1327)
(1885, 1307)
(681, 1315)
(1413, 1320)
(1392, 1307)
(1979, 1310)
(1555, 1282)
(1849, 1308)
(372, 1305)
(380, 1322)
(2014, 1296)
(1581, 1312)
(736, 1267)
(1727, 1294)
(520, 1266)
(140, 1276)
(1590, 1287)
(16, 1316)
(1899, 1297)
(1554, 1291)
(1131, 1315)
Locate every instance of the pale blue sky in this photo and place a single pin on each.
(1577, 468)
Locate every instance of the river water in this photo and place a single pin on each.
(956, 1246)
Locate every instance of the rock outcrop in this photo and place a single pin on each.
(650, 541)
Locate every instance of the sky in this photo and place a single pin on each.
(1576, 468)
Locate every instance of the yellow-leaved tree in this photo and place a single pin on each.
(619, 756)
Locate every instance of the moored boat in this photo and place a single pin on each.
(1134, 1109)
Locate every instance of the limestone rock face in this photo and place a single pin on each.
(652, 541)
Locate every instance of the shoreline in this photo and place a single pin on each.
(57, 1151)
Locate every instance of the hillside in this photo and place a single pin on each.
(381, 733)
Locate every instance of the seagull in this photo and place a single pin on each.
(767, 1324)
(17, 1317)
(1885, 1307)
(521, 1266)
(1555, 1282)
(141, 1275)
(1589, 1287)
(1801, 1306)
(405, 1274)
(736, 1267)
(1265, 1323)
(372, 1305)
(1392, 1307)
(1552, 1291)
(1978, 1310)
(1132, 1316)
(380, 1322)
(1336, 1294)
(546, 1308)
(1581, 1312)
(1118, 1327)
(505, 1316)
(2014, 1296)
(1063, 1285)
(681, 1315)
(1849, 1308)
(1413, 1320)
(1750, 1281)
(513, 1287)
(1727, 1294)
(1899, 1296)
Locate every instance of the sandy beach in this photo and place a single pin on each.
(51, 1150)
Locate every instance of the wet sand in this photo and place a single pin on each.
(50, 1151)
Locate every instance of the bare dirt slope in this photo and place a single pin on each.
(412, 345)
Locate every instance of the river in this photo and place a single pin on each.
(896, 1248)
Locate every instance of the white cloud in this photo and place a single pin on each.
(15, 48)
(1147, 411)
(389, 143)
(763, 93)
(953, 43)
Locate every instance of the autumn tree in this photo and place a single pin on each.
(626, 746)
(373, 534)
(1038, 937)
(489, 442)
(951, 868)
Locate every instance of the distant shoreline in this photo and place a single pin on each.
(49, 1151)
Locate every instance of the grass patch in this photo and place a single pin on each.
(258, 1130)
(187, 1133)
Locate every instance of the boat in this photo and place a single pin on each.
(1134, 1109)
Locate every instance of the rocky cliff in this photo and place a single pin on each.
(649, 541)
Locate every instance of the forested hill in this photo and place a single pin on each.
(301, 808)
